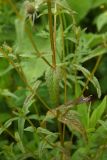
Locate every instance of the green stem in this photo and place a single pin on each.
(77, 37)
(61, 129)
(51, 34)
(64, 27)
(54, 34)
(62, 35)
(65, 100)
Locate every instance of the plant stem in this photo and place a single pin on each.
(54, 34)
(61, 126)
(51, 34)
(34, 46)
(64, 27)
(61, 137)
(77, 37)
(62, 36)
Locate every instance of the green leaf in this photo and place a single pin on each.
(4, 116)
(97, 113)
(30, 98)
(36, 117)
(101, 20)
(93, 80)
(33, 68)
(19, 142)
(104, 124)
(83, 111)
(81, 7)
(96, 52)
(21, 123)
(71, 119)
(44, 131)
(97, 3)
(2, 129)
(20, 29)
(94, 40)
(43, 145)
(29, 129)
(53, 78)
(80, 154)
(5, 71)
(7, 124)
(7, 93)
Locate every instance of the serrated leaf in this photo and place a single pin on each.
(71, 119)
(30, 98)
(53, 78)
(67, 116)
(93, 80)
(44, 131)
(97, 113)
(43, 145)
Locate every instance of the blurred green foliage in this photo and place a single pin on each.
(31, 124)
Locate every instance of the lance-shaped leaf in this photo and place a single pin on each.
(97, 113)
(66, 115)
(91, 78)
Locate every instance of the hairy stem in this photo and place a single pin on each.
(62, 36)
(51, 34)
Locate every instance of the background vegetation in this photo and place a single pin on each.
(53, 67)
